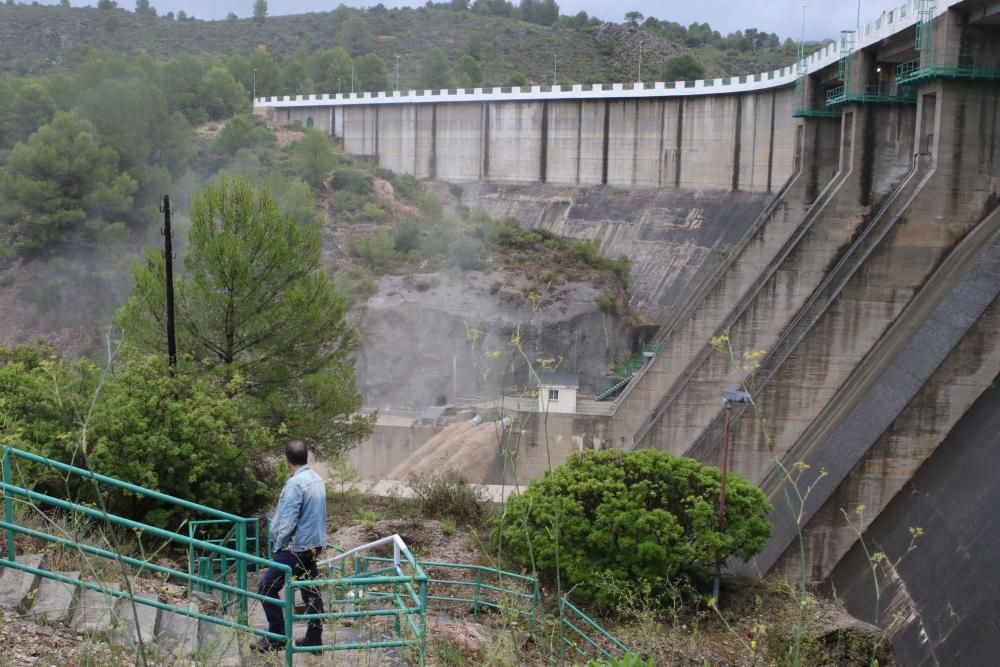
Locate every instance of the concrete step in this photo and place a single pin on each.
(177, 634)
(218, 646)
(16, 584)
(54, 600)
(96, 612)
(144, 627)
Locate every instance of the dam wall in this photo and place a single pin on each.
(735, 141)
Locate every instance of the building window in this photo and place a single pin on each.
(553, 394)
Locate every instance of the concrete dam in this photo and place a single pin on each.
(855, 294)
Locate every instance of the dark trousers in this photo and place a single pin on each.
(303, 564)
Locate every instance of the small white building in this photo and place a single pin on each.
(557, 392)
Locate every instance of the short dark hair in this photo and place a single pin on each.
(296, 452)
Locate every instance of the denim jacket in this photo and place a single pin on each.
(299, 521)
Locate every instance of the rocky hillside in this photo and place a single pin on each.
(38, 39)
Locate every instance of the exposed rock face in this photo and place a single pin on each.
(418, 351)
(673, 237)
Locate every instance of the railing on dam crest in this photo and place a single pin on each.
(890, 22)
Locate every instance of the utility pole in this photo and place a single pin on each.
(168, 256)
(729, 396)
(255, 84)
(352, 79)
(397, 71)
(555, 69)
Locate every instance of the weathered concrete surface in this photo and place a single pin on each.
(145, 628)
(673, 238)
(16, 584)
(54, 599)
(418, 349)
(218, 645)
(740, 141)
(732, 281)
(938, 355)
(943, 593)
(904, 447)
(541, 441)
(95, 611)
(876, 168)
(177, 634)
(961, 188)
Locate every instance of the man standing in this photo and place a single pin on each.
(298, 535)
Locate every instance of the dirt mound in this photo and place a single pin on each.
(469, 450)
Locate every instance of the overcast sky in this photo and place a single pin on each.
(824, 18)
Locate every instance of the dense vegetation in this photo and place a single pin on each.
(486, 41)
(264, 351)
(607, 519)
(257, 312)
(180, 434)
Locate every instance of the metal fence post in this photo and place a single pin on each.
(8, 505)
(241, 570)
(423, 619)
(475, 604)
(289, 601)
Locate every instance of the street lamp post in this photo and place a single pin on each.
(255, 84)
(352, 79)
(802, 40)
(639, 75)
(729, 396)
(397, 71)
(555, 69)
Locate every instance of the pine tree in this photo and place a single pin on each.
(258, 312)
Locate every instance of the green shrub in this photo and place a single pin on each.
(378, 250)
(371, 211)
(448, 496)
(407, 236)
(608, 303)
(351, 180)
(466, 253)
(640, 517)
(243, 131)
(348, 204)
(430, 205)
(179, 434)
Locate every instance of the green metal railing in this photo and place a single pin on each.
(624, 372)
(487, 588)
(391, 591)
(926, 68)
(405, 578)
(870, 94)
(220, 567)
(38, 501)
(582, 631)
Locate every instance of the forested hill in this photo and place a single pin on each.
(505, 48)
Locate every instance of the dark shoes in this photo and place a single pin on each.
(267, 645)
(308, 641)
